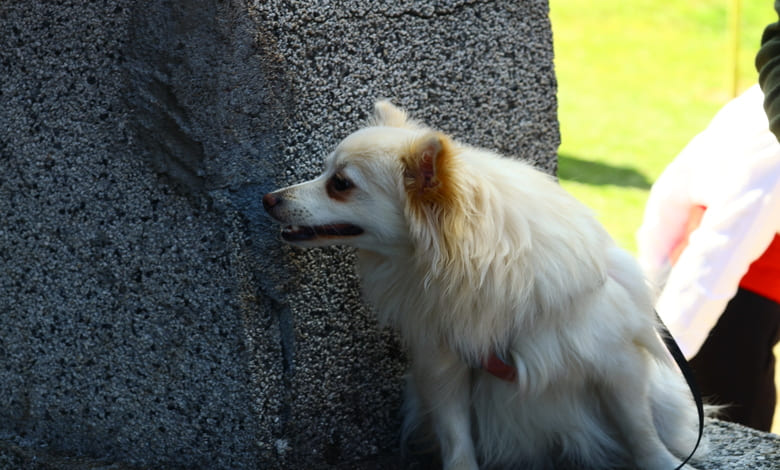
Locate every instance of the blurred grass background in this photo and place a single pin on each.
(636, 81)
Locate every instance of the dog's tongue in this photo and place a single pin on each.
(294, 233)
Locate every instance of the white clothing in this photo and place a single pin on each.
(733, 169)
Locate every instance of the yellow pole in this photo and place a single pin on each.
(735, 23)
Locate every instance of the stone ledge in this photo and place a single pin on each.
(736, 447)
(732, 447)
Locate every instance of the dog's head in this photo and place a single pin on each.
(371, 182)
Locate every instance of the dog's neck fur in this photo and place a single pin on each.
(406, 297)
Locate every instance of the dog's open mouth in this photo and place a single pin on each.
(296, 233)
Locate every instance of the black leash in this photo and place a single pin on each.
(687, 372)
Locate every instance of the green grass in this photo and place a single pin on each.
(636, 81)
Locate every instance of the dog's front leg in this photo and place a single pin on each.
(443, 381)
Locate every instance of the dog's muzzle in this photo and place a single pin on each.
(300, 233)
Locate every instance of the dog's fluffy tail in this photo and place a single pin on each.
(622, 268)
(674, 412)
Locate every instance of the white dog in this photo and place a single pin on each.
(532, 335)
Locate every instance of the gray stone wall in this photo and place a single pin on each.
(149, 314)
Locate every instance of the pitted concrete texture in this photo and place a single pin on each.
(150, 315)
(123, 328)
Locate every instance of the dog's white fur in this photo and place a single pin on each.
(469, 254)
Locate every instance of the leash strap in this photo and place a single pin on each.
(687, 372)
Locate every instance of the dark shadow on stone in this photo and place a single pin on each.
(208, 94)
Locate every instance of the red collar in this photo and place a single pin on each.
(498, 367)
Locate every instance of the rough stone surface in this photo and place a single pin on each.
(150, 316)
(737, 447)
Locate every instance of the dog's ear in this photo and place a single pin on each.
(386, 114)
(428, 169)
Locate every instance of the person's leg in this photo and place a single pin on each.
(736, 366)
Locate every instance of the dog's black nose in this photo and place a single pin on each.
(269, 201)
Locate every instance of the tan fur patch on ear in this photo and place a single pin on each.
(428, 171)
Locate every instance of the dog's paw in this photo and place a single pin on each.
(461, 461)
(462, 465)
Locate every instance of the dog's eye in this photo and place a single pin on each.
(339, 187)
(339, 183)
